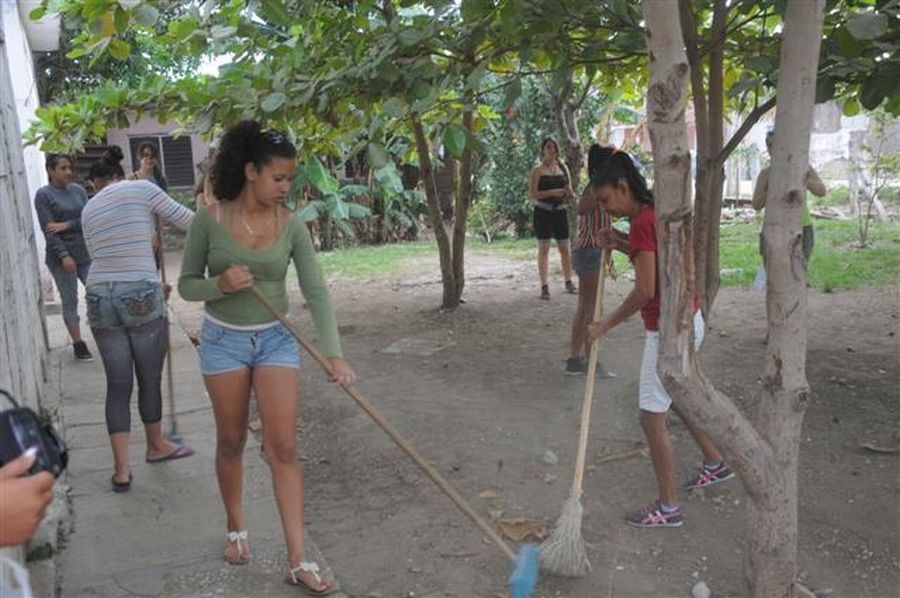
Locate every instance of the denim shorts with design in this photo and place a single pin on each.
(224, 349)
(124, 304)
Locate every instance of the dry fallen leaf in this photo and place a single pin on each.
(488, 494)
(495, 514)
(518, 529)
(549, 478)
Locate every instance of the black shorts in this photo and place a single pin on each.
(551, 224)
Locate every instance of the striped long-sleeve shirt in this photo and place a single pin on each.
(118, 225)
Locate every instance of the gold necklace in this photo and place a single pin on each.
(249, 228)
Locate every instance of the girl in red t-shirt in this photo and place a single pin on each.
(623, 192)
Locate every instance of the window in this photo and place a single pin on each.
(176, 157)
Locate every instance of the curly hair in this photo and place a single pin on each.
(244, 143)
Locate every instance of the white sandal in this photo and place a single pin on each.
(240, 540)
(309, 567)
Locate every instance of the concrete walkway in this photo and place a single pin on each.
(165, 537)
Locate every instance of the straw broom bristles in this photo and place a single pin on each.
(564, 552)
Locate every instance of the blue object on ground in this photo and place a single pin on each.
(525, 572)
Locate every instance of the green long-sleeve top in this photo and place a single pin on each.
(211, 249)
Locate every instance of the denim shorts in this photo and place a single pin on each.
(124, 304)
(226, 349)
(586, 260)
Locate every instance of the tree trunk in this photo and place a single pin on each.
(426, 170)
(464, 192)
(765, 456)
(565, 113)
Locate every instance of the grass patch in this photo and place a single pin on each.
(370, 261)
(836, 263)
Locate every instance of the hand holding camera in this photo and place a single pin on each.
(23, 498)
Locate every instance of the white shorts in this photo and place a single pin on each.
(652, 396)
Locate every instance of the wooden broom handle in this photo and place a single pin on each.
(379, 419)
(589, 386)
(170, 376)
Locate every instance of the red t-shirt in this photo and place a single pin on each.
(642, 237)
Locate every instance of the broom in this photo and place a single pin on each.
(563, 552)
(171, 432)
(524, 564)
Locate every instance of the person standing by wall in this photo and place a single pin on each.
(149, 168)
(59, 206)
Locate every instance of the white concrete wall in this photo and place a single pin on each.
(25, 93)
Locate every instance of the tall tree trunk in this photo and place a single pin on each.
(765, 456)
(464, 194)
(773, 560)
(708, 115)
(426, 171)
(565, 108)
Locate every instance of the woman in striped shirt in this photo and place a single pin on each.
(126, 307)
(586, 257)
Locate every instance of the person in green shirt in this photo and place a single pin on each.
(813, 183)
(248, 237)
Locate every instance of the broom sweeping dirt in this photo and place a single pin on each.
(524, 564)
(563, 552)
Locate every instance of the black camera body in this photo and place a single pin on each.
(22, 429)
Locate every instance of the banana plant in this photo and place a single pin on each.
(400, 208)
(333, 205)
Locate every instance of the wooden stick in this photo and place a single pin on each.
(589, 386)
(170, 379)
(640, 452)
(379, 419)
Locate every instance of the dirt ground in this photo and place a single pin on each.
(481, 393)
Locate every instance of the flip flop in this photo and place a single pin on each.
(120, 487)
(179, 452)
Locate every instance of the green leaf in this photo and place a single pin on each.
(874, 89)
(825, 87)
(394, 107)
(376, 155)
(120, 50)
(146, 14)
(337, 207)
(273, 101)
(357, 211)
(275, 12)
(389, 181)
(762, 64)
(867, 25)
(38, 13)
(851, 107)
(409, 36)
(320, 178)
(455, 140)
(311, 210)
(120, 18)
(513, 92)
(848, 46)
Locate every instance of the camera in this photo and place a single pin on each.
(21, 429)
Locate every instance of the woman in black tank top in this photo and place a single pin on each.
(550, 190)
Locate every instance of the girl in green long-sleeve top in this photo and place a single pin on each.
(247, 238)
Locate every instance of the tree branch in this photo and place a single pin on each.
(742, 131)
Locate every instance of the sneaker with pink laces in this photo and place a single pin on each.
(707, 477)
(653, 516)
